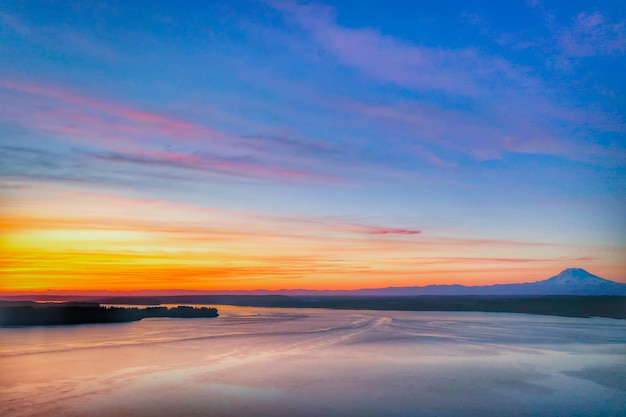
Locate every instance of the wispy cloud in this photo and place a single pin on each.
(592, 34)
(111, 117)
(447, 260)
(240, 167)
(192, 220)
(125, 133)
(373, 230)
(388, 59)
(60, 39)
(484, 105)
(586, 34)
(30, 165)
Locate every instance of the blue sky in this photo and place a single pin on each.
(458, 122)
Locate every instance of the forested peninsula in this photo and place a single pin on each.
(48, 314)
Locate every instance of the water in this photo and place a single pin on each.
(294, 362)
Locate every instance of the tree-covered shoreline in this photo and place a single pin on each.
(34, 314)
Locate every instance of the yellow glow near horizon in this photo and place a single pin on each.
(146, 245)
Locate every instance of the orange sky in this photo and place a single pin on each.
(84, 242)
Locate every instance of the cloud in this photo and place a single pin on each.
(390, 231)
(587, 34)
(385, 58)
(474, 102)
(115, 212)
(90, 120)
(15, 24)
(447, 260)
(377, 230)
(122, 250)
(114, 115)
(59, 39)
(29, 163)
(415, 125)
(124, 133)
(156, 243)
(289, 143)
(42, 166)
(240, 167)
(592, 34)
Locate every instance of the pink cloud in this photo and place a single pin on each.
(126, 134)
(158, 122)
(111, 124)
(375, 230)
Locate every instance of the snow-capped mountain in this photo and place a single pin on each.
(571, 281)
(579, 281)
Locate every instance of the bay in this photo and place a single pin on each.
(314, 362)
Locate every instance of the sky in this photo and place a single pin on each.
(155, 145)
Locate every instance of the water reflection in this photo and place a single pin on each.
(275, 362)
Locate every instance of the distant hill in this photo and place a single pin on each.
(572, 281)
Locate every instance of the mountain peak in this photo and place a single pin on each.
(576, 278)
(575, 273)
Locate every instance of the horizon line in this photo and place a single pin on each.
(179, 292)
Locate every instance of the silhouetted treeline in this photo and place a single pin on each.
(180, 312)
(89, 313)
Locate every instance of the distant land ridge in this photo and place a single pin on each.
(571, 281)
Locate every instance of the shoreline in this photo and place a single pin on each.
(55, 314)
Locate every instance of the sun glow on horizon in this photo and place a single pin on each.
(280, 145)
(216, 249)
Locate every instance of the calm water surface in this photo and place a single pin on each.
(294, 362)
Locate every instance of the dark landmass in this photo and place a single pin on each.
(38, 314)
(567, 306)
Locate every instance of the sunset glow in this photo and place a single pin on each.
(278, 145)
